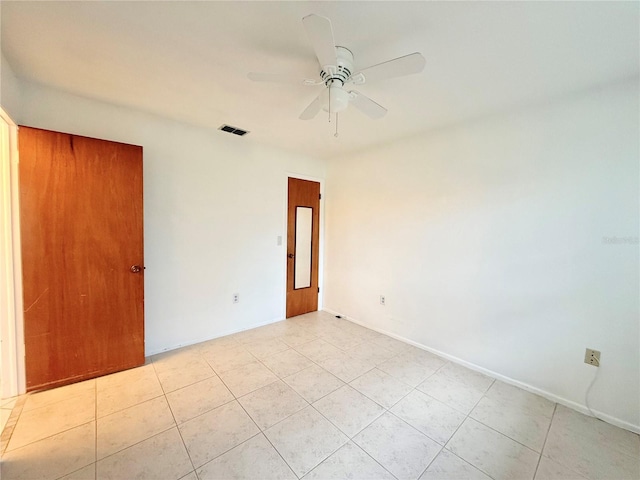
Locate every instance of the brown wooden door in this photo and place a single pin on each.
(303, 238)
(81, 227)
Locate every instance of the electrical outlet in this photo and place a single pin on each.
(236, 297)
(592, 357)
(382, 300)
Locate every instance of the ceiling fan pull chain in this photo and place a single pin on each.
(329, 103)
(336, 135)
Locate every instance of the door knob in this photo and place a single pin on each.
(291, 255)
(135, 268)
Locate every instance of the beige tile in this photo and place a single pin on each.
(161, 456)
(587, 452)
(305, 439)
(53, 418)
(381, 387)
(363, 332)
(188, 373)
(190, 476)
(523, 400)
(264, 464)
(318, 350)
(345, 367)
(447, 466)
(222, 360)
(178, 358)
(598, 431)
(351, 462)
(423, 358)
(371, 353)
(451, 391)
(216, 344)
(398, 447)
(4, 416)
(392, 344)
(125, 377)
(8, 403)
(256, 334)
(348, 409)
(214, 433)
(433, 418)
(298, 337)
(467, 377)
(514, 421)
(196, 399)
(127, 427)
(52, 457)
(287, 363)
(117, 394)
(271, 404)
(247, 378)
(493, 453)
(313, 383)
(406, 370)
(344, 341)
(550, 470)
(86, 473)
(48, 397)
(264, 348)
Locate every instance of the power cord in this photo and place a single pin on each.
(586, 395)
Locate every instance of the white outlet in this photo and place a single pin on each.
(382, 300)
(592, 357)
(236, 297)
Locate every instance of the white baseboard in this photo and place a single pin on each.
(525, 386)
(206, 339)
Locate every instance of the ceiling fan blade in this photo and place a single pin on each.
(321, 37)
(281, 78)
(367, 106)
(398, 67)
(313, 109)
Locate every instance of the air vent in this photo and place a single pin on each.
(234, 130)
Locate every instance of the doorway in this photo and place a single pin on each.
(303, 246)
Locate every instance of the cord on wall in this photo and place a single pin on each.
(586, 395)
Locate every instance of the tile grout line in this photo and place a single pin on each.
(243, 347)
(468, 416)
(262, 432)
(546, 436)
(351, 439)
(12, 422)
(308, 403)
(175, 421)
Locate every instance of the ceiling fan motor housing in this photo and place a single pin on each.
(339, 73)
(335, 98)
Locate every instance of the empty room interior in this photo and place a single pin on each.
(320, 240)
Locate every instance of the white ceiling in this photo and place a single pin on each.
(189, 60)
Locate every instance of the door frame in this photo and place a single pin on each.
(285, 222)
(11, 316)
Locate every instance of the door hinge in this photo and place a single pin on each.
(320, 196)
(318, 289)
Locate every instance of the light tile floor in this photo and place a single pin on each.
(313, 397)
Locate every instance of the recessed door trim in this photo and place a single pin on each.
(283, 251)
(12, 327)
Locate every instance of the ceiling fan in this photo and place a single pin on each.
(337, 72)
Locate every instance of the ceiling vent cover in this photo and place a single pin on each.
(234, 130)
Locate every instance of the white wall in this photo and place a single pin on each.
(487, 241)
(10, 95)
(214, 206)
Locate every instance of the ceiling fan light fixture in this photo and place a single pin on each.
(335, 99)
